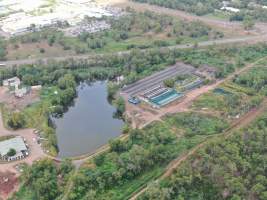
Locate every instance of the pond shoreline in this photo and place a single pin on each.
(89, 124)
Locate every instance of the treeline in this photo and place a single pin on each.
(124, 168)
(231, 169)
(3, 51)
(135, 65)
(141, 157)
(255, 81)
(248, 9)
(44, 180)
(199, 7)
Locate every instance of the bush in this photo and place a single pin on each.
(16, 121)
(42, 50)
(11, 152)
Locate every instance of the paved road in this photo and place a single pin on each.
(245, 39)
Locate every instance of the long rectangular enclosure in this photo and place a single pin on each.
(157, 79)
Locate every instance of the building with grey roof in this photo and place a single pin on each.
(17, 143)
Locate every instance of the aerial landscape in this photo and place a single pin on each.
(133, 100)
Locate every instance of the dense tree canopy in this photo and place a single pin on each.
(226, 169)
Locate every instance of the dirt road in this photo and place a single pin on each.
(237, 125)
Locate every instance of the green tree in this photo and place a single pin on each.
(16, 120)
(169, 83)
(248, 23)
(120, 105)
(67, 81)
(11, 152)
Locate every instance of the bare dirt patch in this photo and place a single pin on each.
(15, 103)
(8, 183)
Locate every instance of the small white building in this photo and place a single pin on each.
(12, 82)
(230, 9)
(16, 143)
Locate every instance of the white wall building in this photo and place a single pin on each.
(230, 9)
(16, 143)
(12, 82)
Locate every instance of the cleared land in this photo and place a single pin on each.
(14, 103)
(8, 183)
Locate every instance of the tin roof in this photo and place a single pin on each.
(16, 143)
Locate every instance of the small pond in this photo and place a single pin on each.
(89, 123)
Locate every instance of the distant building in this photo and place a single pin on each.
(231, 9)
(16, 143)
(12, 82)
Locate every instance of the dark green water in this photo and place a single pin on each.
(88, 124)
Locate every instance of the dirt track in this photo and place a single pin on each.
(238, 124)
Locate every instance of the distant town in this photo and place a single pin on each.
(22, 16)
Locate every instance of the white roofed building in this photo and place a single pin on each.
(230, 9)
(17, 144)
